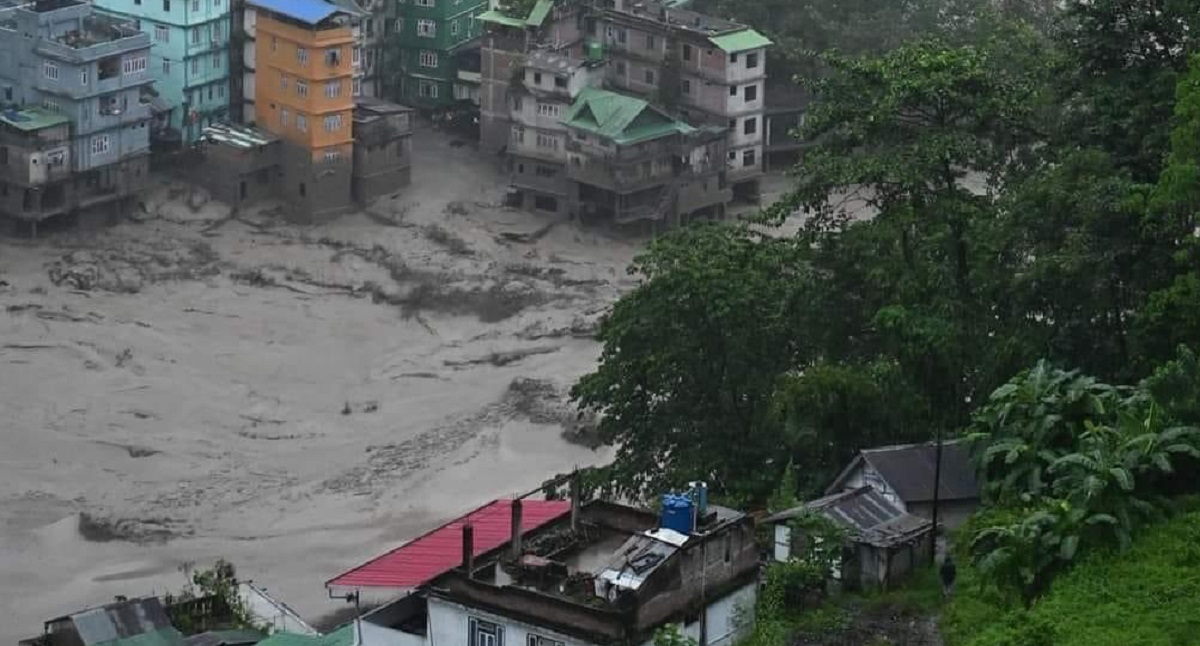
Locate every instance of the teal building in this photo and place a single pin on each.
(189, 56)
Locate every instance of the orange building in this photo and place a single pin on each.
(304, 77)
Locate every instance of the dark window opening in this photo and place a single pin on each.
(560, 81)
(242, 190)
(687, 52)
(732, 90)
(750, 126)
(751, 93)
(108, 67)
(751, 61)
(545, 203)
(303, 190)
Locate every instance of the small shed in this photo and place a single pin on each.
(884, 543)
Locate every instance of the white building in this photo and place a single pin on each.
(592, 574)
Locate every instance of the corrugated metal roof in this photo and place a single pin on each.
(624, 119)
(225, 638)
(740, 41)
(869, 517)
(169, 636)
(538, 14)
(500, 18)
(29, 119)
(310, 12)
(635, 561)
(909, 469)
(440, 551)
(236, 135)
(119, 620)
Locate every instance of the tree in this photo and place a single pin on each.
(691, 359)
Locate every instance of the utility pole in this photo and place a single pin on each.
(937, 486)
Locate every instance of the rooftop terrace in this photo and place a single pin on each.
(31, 119)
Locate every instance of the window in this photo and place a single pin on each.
(621, 68)
(545, 171)
(134, 65)
(537, 78)
(210, 92)
(333, 123)
(195, 35)
(538, 640)
(370, 26)
(333, 57)
(751, 61)
(195, 66)
(428, 58)
(733, 57)
(549, 110)
(100, 145)
(302, 55)
(333, 89)
(732, 90)
(357, 86)
(399, 26)
(166, 67)
(301, 88)
(453, 27)
(622, 35)
(50, 70)
(648, 76)
(355, 57)
(220, 91)
(283, 116)
(428, 90)
(748, 158)
(518, 134)
(750, 126)
(751, 93)
(216, 61)
(426, 28)
(282, 81)
(686, 86)
(274, 43)
(332, 156)
(301, 122)
(51, 105)
(162, 34)
(560, 81)
(650, 42)
(425, 3)
(483, 633)
(83, 77)
(687, 52)
(516, 102)
(547, 141)
(166, 5)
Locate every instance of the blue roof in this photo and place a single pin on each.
(307, 11)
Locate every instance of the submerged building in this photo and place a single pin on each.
(77, 109)
(702, 73)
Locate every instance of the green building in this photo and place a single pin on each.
(431, 52)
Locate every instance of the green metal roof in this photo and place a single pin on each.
(623, 119)
(343, 636)
(538, 14)
(30, 119)
(500, 18)
(168, 636)
(740, 41)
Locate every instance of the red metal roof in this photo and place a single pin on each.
(439, 551)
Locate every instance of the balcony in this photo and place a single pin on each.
(99, 37)
(617, 177)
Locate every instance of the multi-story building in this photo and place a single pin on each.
(190, 56)
(425, 45)
(552, 572)
(705, 71)
(382, 149)
(304, 94)
(93, 72)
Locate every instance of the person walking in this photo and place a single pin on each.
(949, 573)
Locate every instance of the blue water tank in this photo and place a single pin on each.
(677, 513)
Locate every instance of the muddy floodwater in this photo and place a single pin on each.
(187, 385)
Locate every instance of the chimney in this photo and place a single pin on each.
(516, 529)
(468, 548)
(576, 492)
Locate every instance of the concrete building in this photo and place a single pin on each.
(303, 89)
(427, 53)
(64, 58)
(573, 575)
(382, 149)
(189, 57)
(237, 164)
(904, 476)
(702, 71)
(628, 161)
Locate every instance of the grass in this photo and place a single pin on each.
(1149, 596)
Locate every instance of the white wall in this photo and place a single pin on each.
(739, 72)
(449, 625)
(783, 542)
(731, 617)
